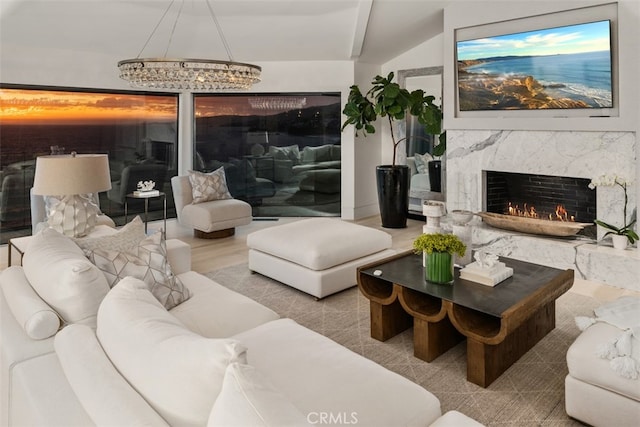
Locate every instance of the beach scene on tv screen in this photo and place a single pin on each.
(556, 68)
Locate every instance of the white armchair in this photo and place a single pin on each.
(210, 220)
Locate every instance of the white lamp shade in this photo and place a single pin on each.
(71, 174)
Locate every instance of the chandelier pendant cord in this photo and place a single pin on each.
(175, 24)
(155, 29)
(220, 33)
(173, 29)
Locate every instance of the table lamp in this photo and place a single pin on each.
(71, 179)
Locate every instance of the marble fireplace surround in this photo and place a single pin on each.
(558, 153)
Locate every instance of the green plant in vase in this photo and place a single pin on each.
(438, 250)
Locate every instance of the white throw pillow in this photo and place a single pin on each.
(64, 278)
(126, 238)
(148, 262)
(247, 399)
(178, 372)
(206, 187)
(291, 152)
(316, 154)
(422, 162)
(38, 320)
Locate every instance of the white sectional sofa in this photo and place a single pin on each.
(218, 358)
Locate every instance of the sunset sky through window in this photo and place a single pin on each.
(53, 107)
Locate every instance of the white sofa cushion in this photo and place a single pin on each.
(146, 261)
(215, 311)
(216, 215)
(247, 399)
(292, 153)
(178, 372)
(312, 242)
(85, 365)
(64, 278)
(37, 319)
(319, 375)
(316, 154)
(40, 395)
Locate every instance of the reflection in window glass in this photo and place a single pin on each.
(280, 152)
(138, 132)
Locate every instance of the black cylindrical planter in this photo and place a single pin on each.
(393, 195)
(435, 175)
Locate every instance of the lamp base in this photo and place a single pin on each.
(74, 215)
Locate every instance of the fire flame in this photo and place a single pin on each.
(528, 211)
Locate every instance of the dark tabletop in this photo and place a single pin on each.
(408, 271)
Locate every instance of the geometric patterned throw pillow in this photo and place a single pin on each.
(209, 186)
(147, 262)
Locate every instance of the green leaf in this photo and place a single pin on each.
(605, 225)
(391, 91)
(440, 149)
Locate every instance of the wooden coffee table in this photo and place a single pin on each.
(500, 323)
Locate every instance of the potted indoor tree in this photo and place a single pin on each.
(387, 99)
(438, 250)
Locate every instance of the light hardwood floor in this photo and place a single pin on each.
(208, 255)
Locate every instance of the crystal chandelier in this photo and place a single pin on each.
(188, 74)
(277, 103)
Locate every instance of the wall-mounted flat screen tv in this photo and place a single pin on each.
(554, 68)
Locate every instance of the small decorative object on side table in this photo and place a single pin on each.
(438, 250)
(486, 270)
(146, 191)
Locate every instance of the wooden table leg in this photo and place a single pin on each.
(388, 320)
(486, 362)
(432, 339)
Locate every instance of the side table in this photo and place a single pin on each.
(18, 244)
(146, 208)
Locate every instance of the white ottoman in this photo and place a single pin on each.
(594, 393)
(318, 256)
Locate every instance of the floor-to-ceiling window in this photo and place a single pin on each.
(281, 152)
(137, 130)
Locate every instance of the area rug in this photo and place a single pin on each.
(529, 393)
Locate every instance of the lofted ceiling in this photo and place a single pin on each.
(372, 31)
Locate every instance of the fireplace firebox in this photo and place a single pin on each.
(556, 198)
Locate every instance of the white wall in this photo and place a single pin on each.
(366, 155)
